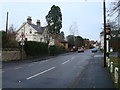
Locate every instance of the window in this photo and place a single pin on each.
(30, 31)
(22, 30)
(41, 39)
(25, 39)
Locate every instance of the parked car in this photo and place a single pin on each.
(94, 50)
(71, 50)
(80, 50)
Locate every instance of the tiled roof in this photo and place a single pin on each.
(37, 28)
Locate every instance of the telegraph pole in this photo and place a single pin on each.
(7, 24)
(104, 14)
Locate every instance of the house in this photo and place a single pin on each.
(33, 32)
(65, 44)
(87, 43)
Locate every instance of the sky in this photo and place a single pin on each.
(87, 17)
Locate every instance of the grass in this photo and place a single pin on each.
(116, 63)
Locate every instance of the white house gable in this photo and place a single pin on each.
(31, 31)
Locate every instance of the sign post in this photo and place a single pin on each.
(22, 43)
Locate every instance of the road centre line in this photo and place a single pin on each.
(17, 68)
(30, 64)
(65, 61)
(40, 73)
(72, 57)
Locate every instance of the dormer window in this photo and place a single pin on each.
(30, 31)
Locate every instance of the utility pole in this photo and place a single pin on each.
(104, 14)
(7, 24)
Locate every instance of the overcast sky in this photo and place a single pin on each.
(86, 16)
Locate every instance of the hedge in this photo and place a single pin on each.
(56, 50)
(33, 48)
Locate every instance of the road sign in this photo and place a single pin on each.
(22, 36)
(22, 44)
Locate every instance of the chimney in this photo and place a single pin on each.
(29, 20)
(38, 23)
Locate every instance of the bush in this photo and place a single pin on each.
(56, 50)
(8, 41)
(33, 48)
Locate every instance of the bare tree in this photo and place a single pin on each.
(74, 29)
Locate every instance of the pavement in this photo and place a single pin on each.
(95, 75)
(70, 70)
(9, 64)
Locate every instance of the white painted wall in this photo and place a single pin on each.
(30, 36)
(102, 40)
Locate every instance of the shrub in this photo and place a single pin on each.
(8, 41)
(33, 48)
(56, 50)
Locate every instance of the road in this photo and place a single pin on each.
(62, 71)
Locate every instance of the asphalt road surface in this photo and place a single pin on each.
(62, 71)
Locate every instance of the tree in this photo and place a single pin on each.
(113, 15)
(62, 36)
(54, 20)
(11, 33)
(9, 39)
(115, 38)
(79, 42)
(74, 29)
(70, 39)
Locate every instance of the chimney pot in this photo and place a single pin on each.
(29, 19)
(38, 23)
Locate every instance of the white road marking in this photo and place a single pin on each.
(65, 61)
(30, 64)
(19, 81)
(2, 71)
(98, 55)
(40, 73)
(35, 62)
(72, 57)
(17, 68)
(43, 61)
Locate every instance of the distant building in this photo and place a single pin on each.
(102, 40)
(65, 44)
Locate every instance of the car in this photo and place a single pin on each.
(71, 50)
(80, 50)
(94, 50)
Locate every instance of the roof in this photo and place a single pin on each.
(102, 32)
(37, 28)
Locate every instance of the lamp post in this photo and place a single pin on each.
(104, 16)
